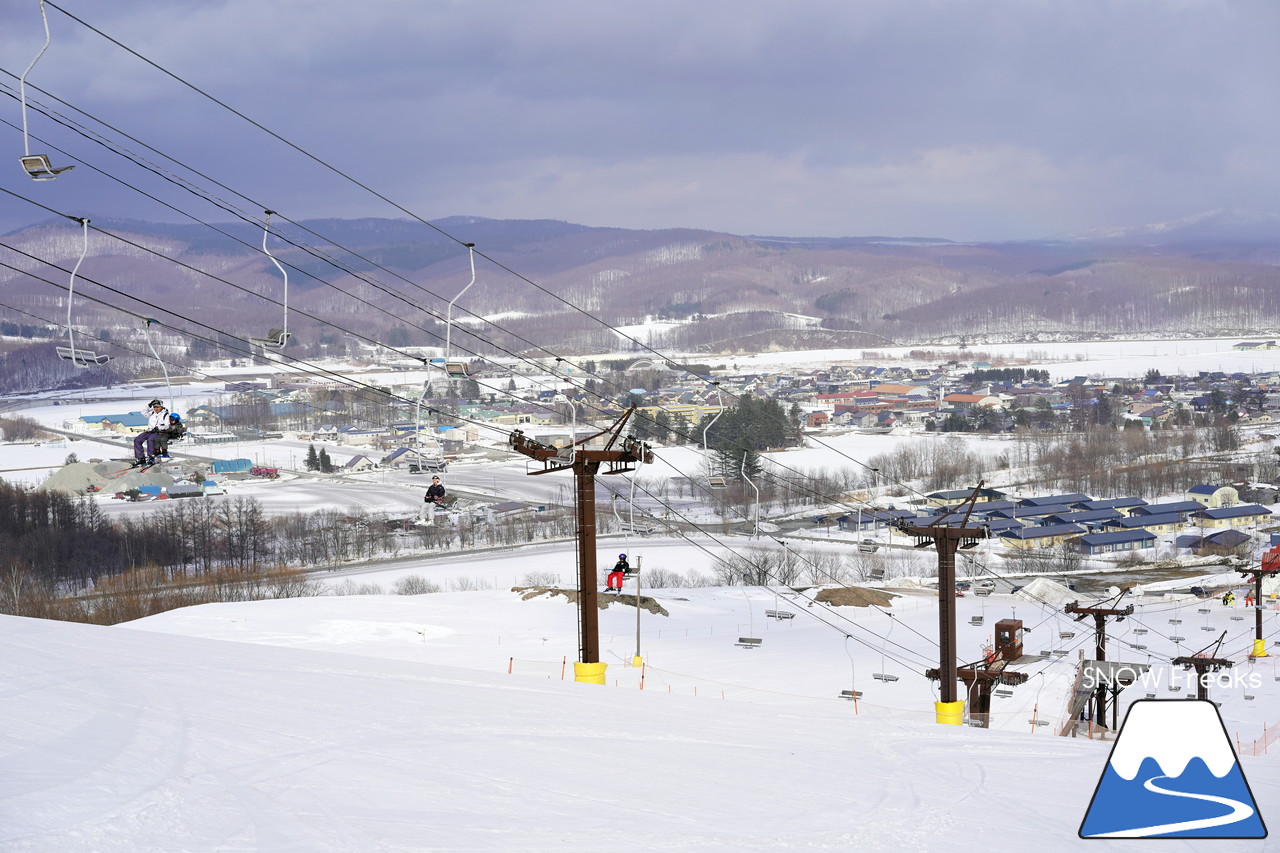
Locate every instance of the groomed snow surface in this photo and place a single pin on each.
(390, 723)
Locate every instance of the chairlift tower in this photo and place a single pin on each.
(948, 539)
(586, 463)
(1203, 663)
(1100, 616)
(1269, 568)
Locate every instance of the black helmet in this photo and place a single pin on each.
(154, 403)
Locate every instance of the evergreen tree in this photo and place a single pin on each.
(312, 462)
(326, 466)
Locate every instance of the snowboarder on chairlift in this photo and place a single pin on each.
(173, 431)
(144, 443)
(619, 573)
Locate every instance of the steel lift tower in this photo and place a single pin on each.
(585, 458)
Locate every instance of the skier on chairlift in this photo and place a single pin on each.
(173, 431)
(619, 573)
(144, 443)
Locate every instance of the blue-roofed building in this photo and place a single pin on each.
(1231, 515)
(1028, 512)
(981, 510)
(1213, 496)
(1092, 519)
(1046, 536)
(1120, 540)
(1166, 523)
(996, 526)
(1179, 508)
(1125, 505)
(1054, 500)
(1223, 541)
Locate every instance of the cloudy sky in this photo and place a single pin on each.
(991, 119)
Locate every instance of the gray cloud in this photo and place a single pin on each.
(987, 119)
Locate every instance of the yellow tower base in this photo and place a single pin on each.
(589, 673)
(637, 660)
(949, 713)
(1260, 649)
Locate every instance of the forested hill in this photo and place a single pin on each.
(727, 292)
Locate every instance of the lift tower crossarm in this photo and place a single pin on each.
(1203, 662)
(585, 465)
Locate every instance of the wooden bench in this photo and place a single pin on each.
(779, 614)
(749, 642)
(850, 694)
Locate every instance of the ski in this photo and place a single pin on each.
(141, 469)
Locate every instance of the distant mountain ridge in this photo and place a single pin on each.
(1234, 226)
(717, 292)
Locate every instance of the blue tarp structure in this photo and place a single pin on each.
(232, 466)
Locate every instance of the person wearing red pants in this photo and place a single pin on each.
(618, 574)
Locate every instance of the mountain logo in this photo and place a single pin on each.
(1172, 774)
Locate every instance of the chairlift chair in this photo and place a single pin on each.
(715, 481)
(276, 338)
(457, 369)
(976, 620)
(1066, 635)
(1176, 639)
(454, 367)
(37, 166)
(876, 574)
(1139, 630)
(81, 357)
(886, 677)
(78, 356)
(1003, 692)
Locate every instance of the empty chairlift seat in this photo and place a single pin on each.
(81, 357)
(275, 339)
(39, 167)
(749, 642)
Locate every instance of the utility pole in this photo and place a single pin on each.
(1204, 663)
(947, 540)
(1270, 567)
(585, 464)
(1100, 615)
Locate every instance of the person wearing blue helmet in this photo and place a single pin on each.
(173, 431)
(619, 573)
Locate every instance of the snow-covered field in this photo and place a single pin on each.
(1063, 359)
(442, 722)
